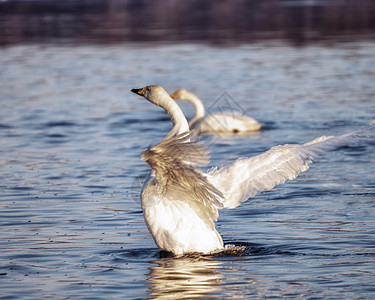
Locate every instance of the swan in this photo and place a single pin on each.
(218, 123)
(180, 203)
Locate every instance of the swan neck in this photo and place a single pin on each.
(199, 109)
(178, 118)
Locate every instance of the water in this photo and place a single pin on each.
(71, 134)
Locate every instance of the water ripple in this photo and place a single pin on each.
(70, 173)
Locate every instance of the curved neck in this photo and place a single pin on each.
(199, 109)
(178, 118)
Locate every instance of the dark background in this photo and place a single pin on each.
(226, 21)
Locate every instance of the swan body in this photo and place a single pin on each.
(180, 203)
(175, 225)
(218, 123)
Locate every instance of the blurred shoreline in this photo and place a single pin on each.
(299, 22)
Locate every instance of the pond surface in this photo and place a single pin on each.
(71, 133)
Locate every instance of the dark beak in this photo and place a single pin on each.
(140, 92)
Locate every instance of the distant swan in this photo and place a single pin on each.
(180, 203)
(218, 123)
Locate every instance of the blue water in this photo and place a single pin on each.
(70, 174)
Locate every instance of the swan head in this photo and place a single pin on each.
(182, 94)
(159, 96)
(153, 93)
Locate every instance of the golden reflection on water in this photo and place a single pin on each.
(185, 278)
(203, 277)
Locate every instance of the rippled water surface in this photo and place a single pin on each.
(70, 174)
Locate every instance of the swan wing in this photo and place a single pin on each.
(247, 176)
(178, 178)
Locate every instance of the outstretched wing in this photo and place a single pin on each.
(175, 163)
(247, 176)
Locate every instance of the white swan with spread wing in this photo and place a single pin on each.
(219, 123)
(180, 203)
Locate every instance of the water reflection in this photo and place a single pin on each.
(185, 278)
(70, 148)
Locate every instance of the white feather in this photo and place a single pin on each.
(181, 203)
(219, 123)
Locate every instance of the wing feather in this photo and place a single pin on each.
(178, 178)
(247, 176)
